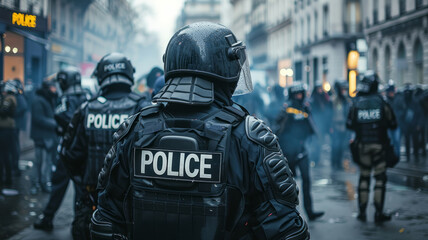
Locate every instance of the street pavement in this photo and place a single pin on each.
(332, 192)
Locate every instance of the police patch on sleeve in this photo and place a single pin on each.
(177, 165)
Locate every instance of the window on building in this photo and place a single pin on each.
(324, 69)
(353, 17)
(387, 63)
(298, 72)
(401, 63)
(419, 3)
(309, 29)
(375, 61)
(315, 70)
(418, 59)
(402, 6)
(387, 10)
(325, 21)
(375, 11)
(315, 26)
(63, 30)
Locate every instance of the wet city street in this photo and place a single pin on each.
(332, 192)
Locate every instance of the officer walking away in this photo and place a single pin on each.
(43, 133)
(199, 167)
(370, 117)
(295, 125)
(90, 133)
(7, 128)
(398, 108)
(69, 80)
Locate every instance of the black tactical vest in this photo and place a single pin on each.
(178, 176)
(370, 119)
(102, 118)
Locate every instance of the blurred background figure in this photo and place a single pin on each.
(412, 122)
(20, 124)
(43, 133)
(7, 130)
(339, 134)
(69, 80)
(293, 127)
(321, 108)
(159, 83)
(420, 137)
(277, 100)
(398, 107)
(253, 101)
(151, 78)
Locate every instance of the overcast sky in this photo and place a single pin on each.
(165, 13)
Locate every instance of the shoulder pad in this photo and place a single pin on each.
(149, 110)
(260, 133)
(136, 97)
(124, 128)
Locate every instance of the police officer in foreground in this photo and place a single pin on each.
(69, 80)
(90, 132)
(198, 167)
(370, 117)
(294, 126)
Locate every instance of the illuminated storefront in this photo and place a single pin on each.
(23, 46)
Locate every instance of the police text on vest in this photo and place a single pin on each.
(105, 121)
(177, 165)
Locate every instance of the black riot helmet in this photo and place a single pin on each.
(296, 88)
(200, 56)
(114, 68)
(68, 77)
(369, 84)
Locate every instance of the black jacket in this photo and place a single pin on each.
(42, 120)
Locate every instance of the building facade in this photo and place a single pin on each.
(325, 31)
(397, 37)
(23, 35)
(199, 10)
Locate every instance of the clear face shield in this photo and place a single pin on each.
(237, 51)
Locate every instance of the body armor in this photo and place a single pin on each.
(179, 184)
(370, 119)
(102, 117)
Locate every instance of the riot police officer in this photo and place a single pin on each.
(69, 80)
(370, 117)
(294, 127)
(90, 132)
(198, 167)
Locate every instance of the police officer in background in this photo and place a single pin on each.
(294, 126)
(199, 167)
(90, 132)
(370, 117)
(69, 80)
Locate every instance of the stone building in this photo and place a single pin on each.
(199, 10)
(324, 33)
(397, 36)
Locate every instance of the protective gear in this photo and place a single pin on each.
(11, 86)
(67, 77)
(114, 68)
(295, 89)
(100, 118)
(101, 229)
(369, 84)
(370, 119)
(199, 55)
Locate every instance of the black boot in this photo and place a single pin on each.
(382, 217)
(44, 224)
(314, 215)
(362, 217)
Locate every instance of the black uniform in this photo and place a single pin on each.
(370, 117)
(199, 167)
(90, 133)
(295, 126)
(73, 96)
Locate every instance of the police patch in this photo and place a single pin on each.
(177, 165)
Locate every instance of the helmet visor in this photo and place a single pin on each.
(245, 84)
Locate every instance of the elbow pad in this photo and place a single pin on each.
(103, 230)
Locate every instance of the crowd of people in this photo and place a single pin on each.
(190, 108)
